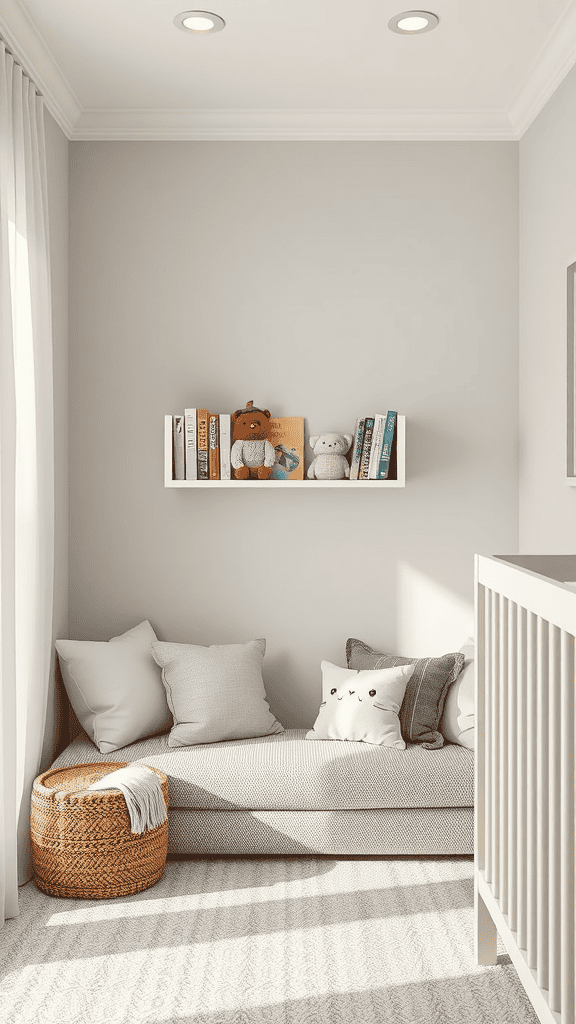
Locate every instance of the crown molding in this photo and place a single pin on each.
(555, 60)
(23, 41)
(262, 125)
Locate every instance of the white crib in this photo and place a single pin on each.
(524, 800)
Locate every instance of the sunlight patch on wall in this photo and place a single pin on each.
(431, 619)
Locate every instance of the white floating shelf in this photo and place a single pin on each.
(291, 484)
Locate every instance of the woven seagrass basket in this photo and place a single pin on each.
(82, 846)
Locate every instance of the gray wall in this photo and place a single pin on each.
(327, 280)
(57, 167)
(547, 247)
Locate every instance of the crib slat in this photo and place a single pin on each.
(502, 721)
(494, 753)
(567, 827)
(512, 850)
(525, 768)
(554, 937)
(522, 757)
(480, 759)
(531, 819)
(542, 803)
(487, 746)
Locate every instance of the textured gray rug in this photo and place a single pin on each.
(261, 941)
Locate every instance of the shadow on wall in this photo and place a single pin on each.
(432, 450)
(298, 705)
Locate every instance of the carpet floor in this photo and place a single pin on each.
(262, 941)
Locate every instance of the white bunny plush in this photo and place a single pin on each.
(330, 462)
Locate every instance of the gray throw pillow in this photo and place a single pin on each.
(115, 687)
(426, 691)
(215, 693)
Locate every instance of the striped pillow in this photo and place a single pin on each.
(426, 691)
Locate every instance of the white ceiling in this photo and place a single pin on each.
(325, 69)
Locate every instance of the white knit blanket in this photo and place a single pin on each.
(142, 791)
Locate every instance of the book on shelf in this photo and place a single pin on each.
(286, 435)
(214, 446)
(190, 444)
(225, 445)
(386, 463)
(393, 467)
(366, 448)
(203, 444)
(357, 448)
(376, 447)
(178, 447)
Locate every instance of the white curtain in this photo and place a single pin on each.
(26, 465)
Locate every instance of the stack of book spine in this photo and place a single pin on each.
(372, 446)
(201, 445)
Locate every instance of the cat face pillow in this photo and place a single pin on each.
(361, 705)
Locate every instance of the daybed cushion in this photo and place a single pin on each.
(287, 772)
(411, 832)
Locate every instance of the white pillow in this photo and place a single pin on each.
(457, 723)
(115, 687)
(215, 693)
(361, 705)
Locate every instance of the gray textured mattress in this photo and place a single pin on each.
(285, 795)
(286, 772)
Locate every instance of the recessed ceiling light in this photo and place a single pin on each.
(199, 22)
(413, 22)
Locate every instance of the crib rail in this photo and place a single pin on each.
(524, 802)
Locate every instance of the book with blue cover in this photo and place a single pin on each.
(386, 456)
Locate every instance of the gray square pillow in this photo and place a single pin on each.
(115, 687)
(426, 691)
(215, 693)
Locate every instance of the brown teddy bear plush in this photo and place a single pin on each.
(252, 454)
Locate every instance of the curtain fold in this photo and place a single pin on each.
(26, 465)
